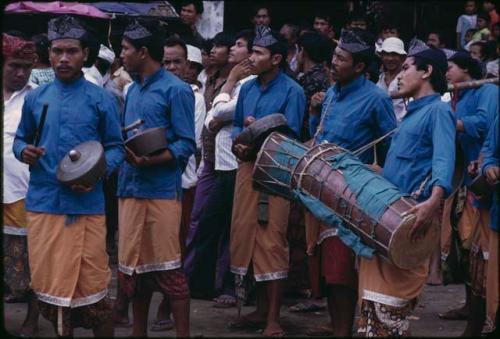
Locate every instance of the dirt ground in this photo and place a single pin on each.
(207, 321)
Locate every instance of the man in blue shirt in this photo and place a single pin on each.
(490, 169)
(264, 245)
(66, 225)
(420, 161)
(149, 187)
(354, 113)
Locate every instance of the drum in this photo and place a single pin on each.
(388, 234)
(275, 161)
(255, 134)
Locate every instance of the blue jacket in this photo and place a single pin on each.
(355, 115)
(424, 143)
(490, 158)
(77, 112)
(163, 101)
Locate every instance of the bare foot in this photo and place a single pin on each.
(251, 320)
(273, 329)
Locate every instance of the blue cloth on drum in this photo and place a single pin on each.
(77, 112)
(356, 115)
(476, 108)
(373, 193)
(424, 143)
(163, 100)
(281, 95)
(490, 151)
(330, 218)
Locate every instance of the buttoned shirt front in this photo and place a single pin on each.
(423, 144)
(162, 100)
(397, 104)
(77, 112)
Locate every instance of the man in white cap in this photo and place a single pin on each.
(393, 56)
(99, 72)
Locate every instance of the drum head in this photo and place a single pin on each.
(407, 254)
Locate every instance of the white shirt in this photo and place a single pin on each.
(189, 177)
(398, 104)
(223, 109)
(93, 75)
(15, 173)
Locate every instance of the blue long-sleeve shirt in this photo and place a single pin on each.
(281, 95)
(424, 143)
(476, 108)
(162, 101)
(490, 152)
(77, 112)
(356, 114)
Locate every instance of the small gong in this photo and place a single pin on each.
(83, 165)
(148, 141)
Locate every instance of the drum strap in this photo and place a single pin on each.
(263, 209)
(415, 195)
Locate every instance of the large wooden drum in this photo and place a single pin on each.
(389, 235)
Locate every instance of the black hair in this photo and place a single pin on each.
(373, 71)
(198, 5)
(42, 47)
(437, 79)
(318, 47)
(294, 28)
(485, 16)
(357, 16)
(248, 35)
(440, 34)
(280, 47)
(490, 50)
(257, 8)
(154, 42)
(174, 41)
(469, 64)
(18, 34)
(324, 16)
(223, 39)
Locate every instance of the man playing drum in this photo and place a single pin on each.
(420, 160)
(149, 187)
(354, 113)
(66, 227)
(263, 246)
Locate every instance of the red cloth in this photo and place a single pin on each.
(18, 48)
(172, 283)
(337, 263)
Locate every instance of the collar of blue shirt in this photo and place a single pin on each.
(353, 86)
(270, 84)
(150, 79)
(70, 85)
(421, 102)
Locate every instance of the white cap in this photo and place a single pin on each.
(393, 45)
(106, 54)
(194, 54)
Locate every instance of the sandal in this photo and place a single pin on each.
(306, 307)
(224, 301)
(162, 325)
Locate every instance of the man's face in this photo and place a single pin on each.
(322, 26)
(488, 6)
(262, 60)
(392, 61)
(475, 52)
(433, 40)
(343, 69)
(389, 33)
(410, 79)
(481, 23)
(455, 74)
(191, 73)
(262, 17)
(470, 7)
(175, 60)
(287, 33)
(219, 55)
(189, 15)
(67, 58)
(130, 57)
(16, 73)
(238, 51)
(361, 24)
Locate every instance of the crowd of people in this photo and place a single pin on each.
(188, 221)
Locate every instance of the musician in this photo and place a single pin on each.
(475, 111)
(354, 113)
(490, 169)
(149, 187)
(66, 227)
(19, 59)
(263, 246)
(420, 160)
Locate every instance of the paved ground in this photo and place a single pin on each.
(211, 322)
